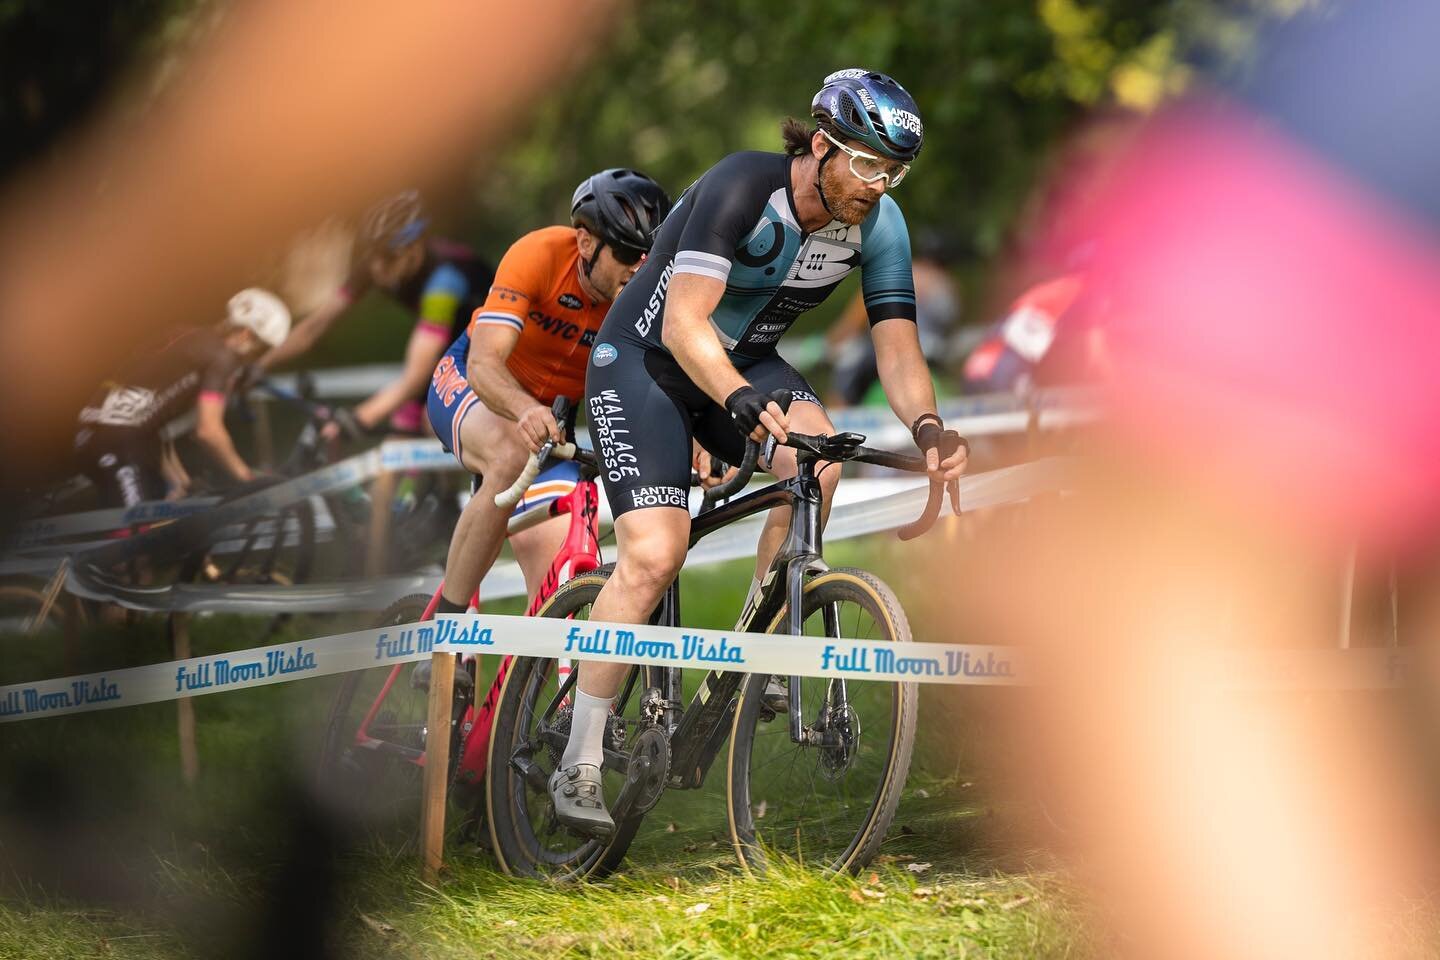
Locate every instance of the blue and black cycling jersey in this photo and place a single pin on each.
(737, 224)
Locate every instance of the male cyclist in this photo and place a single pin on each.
(120, 442)
(689, 352)
(491, 394)
(439, 282)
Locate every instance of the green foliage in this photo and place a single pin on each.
(681, 85)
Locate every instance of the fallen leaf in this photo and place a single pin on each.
(1017, 902)
(760, 809)
(690, 848)
(670, 827)
(696, 910)
(511, 923)
(917, 867)
(874, 879)
(922, 793)
(966, 784)
(923, 892)
(384, 929)
(661, 898)
(894, 857)
(872, 893)
(673, 883)
(855, 895)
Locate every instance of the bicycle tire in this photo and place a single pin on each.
(513, 840)
(378, 788)
(871, 595)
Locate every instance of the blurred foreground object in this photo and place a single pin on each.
(288, 115)
(1269, 262)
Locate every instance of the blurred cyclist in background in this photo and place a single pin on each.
(490, 397)
(1039, 332)
(438, 281)
(120, 443)
(938, 312)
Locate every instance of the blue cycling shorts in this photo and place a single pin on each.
(450, 400)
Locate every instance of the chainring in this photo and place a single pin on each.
(654, 746)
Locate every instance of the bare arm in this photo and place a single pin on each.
(693, 343)
(215, 438)
(423, 352)
(906, 379)
(490, 346)
(307, 332)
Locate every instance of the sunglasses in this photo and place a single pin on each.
(868, 168)
(626, 256)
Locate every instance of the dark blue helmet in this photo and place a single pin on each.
(872, 108)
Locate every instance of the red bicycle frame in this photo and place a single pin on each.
(580, 553)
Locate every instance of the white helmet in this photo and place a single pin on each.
(262, 313)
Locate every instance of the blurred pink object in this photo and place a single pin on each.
(1275, 327)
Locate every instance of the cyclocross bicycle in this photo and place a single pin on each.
(375, 739)
(819, 784)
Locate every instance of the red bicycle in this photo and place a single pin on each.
(374, 747)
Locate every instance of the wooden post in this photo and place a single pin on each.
(185, 707)
(437, 766)
(382, 492)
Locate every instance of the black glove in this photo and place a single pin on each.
(930, 434)
(745, 406)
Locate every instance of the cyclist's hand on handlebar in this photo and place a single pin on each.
(946, 453)
(756, 415)
(704, 464)
(342, 422)
(537, 424)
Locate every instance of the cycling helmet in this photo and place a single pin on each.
(262, 313)
(393, 223)
(870, 107)
(622, 207)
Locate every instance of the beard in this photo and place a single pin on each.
(849, 200)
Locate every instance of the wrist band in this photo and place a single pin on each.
(915, 427)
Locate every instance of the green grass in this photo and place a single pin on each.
(104, 853)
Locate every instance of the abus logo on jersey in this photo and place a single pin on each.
(604, 355)
(656, 304)
(903, 119)
(659, 497)
(570, 301)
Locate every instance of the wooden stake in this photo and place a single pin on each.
(185, 707)
(437, 766)
(382, 492)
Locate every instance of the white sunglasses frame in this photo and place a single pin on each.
(854, 155)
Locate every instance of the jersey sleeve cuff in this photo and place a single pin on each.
(500, 319)
(704, 264)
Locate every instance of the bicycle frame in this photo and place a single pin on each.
(698, 731)
(580, 553)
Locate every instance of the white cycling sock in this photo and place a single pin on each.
(587, 730)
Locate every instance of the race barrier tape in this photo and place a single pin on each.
(972, 416)
(865, 514)
(946, 663)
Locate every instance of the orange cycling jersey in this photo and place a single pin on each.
(537, 292)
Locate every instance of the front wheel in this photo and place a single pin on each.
(532, 725)
(372, 755)
(827, 801)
